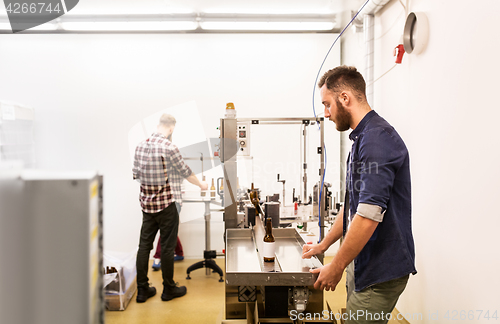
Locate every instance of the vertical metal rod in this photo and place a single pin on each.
(369, 36)
(343, 159)
(304, 166)
(322, 172)
(283, 194)
(201, 159)
(301, 190)
(207, 231)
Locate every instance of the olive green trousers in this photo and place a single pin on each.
(374, 304)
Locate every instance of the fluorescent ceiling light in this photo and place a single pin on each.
(187, 22)
(46, 26)
(303, 11)
(122, 11)
(267, 25)
(129, 25)
(175, 11)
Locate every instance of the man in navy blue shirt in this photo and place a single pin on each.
(378, 249)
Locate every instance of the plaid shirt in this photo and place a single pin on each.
(159, 167)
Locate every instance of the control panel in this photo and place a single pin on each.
(243, 138)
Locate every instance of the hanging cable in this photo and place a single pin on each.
(401, 2)
(392, 26)
(380, 77)
(328, 53)
(314, 112)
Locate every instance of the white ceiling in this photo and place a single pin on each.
(211, 6)
(297, 7)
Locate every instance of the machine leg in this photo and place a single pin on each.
(207, 263)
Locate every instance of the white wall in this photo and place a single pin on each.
(89, 90)
(443, 103)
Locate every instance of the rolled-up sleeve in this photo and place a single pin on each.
(372, 212)
(177, 162)
(381, 154)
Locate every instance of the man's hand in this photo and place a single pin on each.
(194, 180)
(203, 185)
(329, 277)
(308, 250)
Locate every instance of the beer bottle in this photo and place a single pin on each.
(252, 193)
(212, 189)
(269, 242)
(203, 193)
(255, 200)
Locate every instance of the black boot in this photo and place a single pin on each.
(173, 292)
(144, 293)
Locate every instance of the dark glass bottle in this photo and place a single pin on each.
(269, 242)
(254, 199)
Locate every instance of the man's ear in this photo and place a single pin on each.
(345, 98)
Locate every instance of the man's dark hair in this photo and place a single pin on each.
(342, 77)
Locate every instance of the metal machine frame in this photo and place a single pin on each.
(228, 156)
(287, 282)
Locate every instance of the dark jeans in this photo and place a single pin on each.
(167, 221)
(178, 249)
(178, 246)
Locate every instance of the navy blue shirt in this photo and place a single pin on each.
(378, 173)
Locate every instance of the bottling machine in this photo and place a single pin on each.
(253, 288)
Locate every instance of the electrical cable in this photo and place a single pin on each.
(402, 4)
(392, 26)
(380, 77)
(314, 111)
(328, 53)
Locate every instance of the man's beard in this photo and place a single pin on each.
(342, 118)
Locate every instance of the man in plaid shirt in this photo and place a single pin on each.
(160, 169)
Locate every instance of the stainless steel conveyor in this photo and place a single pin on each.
(245, 266)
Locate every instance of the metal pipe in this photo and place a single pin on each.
(321, 201)
(371, 8)
(344, 141)
(283, 193)
(304, 166)
(201, 159)
(366, 17)
(297, 120)
(369, 36)
(207, 232)
(197, 158)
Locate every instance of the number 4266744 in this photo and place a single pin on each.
(32, 8)
(470, 315)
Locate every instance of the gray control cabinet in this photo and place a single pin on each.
(51, 248)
